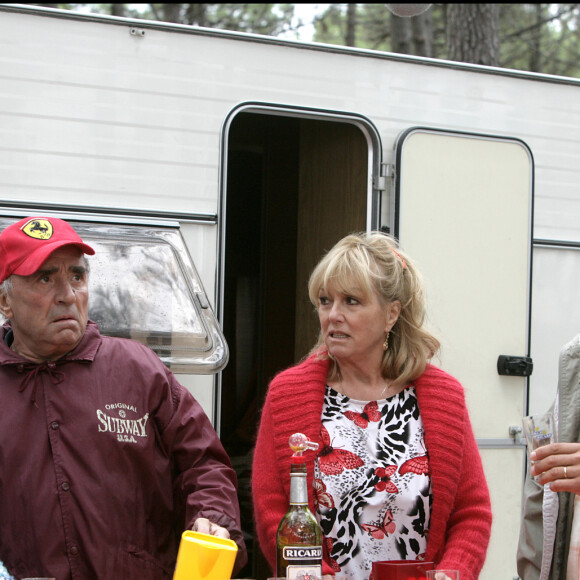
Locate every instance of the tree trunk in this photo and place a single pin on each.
(197, 14)
(413, 34)
(118, 10)
(171, 13)
(536, 47)
(473, 33)
(350, 24)
(423, 34)
(401, 35)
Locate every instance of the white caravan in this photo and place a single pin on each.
(212, 169)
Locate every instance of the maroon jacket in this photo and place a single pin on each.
(104, 460)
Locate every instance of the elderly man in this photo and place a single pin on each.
(104, 457)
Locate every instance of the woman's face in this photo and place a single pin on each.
(354, 325)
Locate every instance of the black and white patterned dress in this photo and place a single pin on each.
(371, 479)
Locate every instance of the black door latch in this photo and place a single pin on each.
(516, 366)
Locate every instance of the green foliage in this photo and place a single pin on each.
(269, 19)
(374, 27)
(372, 23)
(330, 27)
(534, 37)
(541, 38)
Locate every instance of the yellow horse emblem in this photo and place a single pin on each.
(39, 229)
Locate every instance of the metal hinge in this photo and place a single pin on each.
(387, 172)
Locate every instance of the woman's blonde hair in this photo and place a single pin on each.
(372, 262)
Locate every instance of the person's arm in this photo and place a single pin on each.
(204, 477)
(469, 525)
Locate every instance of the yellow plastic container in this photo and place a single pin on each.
(204, 557)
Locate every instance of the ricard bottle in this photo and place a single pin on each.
(299, 537)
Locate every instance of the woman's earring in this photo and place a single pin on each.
(386, 343)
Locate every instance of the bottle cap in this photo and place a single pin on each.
(300, 443)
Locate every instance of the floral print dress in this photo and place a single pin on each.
(372, 489)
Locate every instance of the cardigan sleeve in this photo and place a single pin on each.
(460, 525)
(269, 495)
(469, 525)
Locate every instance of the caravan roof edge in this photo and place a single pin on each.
(250, 37)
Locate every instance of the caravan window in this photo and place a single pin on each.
(144, 286)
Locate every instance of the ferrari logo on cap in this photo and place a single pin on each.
(38, 229)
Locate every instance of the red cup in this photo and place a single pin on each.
(400, 570)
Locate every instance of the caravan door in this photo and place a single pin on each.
(463, 211)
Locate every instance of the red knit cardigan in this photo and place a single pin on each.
(460, 522)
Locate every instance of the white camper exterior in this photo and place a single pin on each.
(212, 169)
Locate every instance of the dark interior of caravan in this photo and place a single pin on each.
(295, 186)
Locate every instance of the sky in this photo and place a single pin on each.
(306, 13)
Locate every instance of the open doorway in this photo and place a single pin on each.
(294, 187)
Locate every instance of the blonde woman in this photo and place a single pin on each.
(398, 475)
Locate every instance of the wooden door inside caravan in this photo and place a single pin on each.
(295, 185)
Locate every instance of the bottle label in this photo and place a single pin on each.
(304, 572)
(302, 552)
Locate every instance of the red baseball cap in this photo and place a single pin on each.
(25, 245)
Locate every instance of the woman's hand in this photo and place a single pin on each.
(204, 526)
(559, 465)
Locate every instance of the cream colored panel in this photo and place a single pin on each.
(465, 206)
(506, 504)
(555, 316)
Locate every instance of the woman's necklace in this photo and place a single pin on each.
(382, 395)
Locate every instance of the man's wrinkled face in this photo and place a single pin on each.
(49, 309)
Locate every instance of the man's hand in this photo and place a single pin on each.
(204, 526)
(559, 465)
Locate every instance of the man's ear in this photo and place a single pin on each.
(5, 305)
